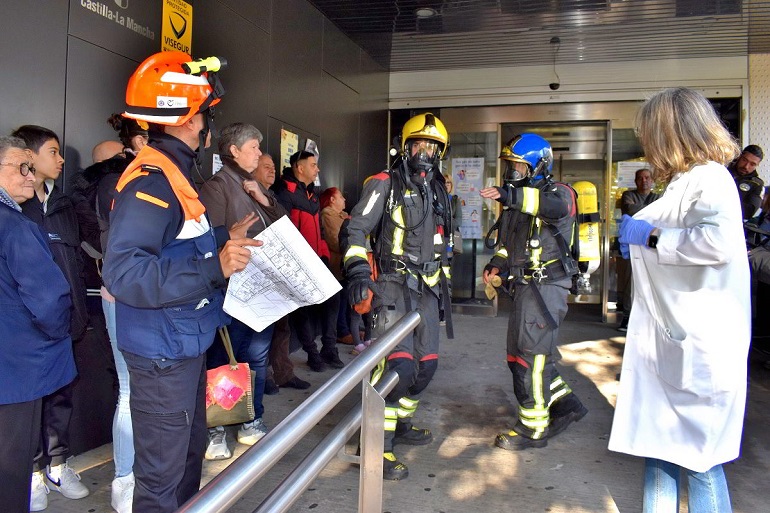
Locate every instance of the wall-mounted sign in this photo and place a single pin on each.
(177, 26)
(289, 146)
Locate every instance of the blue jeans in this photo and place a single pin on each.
(251, 347)
(122, 431)
(707, 491)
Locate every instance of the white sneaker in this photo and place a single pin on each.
(38, 500)
(218, 449)
(123, 493)
(252, 432)
(66, 481)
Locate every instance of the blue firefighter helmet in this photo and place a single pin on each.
(531, 150)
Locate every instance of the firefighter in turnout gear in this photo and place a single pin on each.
(407, 212)
(536, 231)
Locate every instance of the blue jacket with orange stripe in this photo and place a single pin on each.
(161, 265)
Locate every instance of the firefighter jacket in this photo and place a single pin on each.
(409, 227)
(161, 262)
(303, 206)
(530, 229)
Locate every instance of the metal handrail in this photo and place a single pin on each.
(233, 482)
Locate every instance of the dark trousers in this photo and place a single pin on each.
(20, 426)
(305, 319)
(168, 414)
(53, 445)
(283, 367)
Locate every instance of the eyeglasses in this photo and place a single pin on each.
(24, 168)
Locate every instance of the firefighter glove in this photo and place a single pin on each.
(359, 276)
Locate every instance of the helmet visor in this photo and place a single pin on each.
(515, 171)
(425, 148)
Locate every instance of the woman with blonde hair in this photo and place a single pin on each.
(683, 382)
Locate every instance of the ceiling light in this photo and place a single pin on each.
(425, 12)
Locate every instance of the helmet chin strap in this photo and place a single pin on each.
(208, 126)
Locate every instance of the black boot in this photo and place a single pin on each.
(315, 362)
(392, 469)
(512, 441)
(564, 412)
(331, 357)
(407, 434)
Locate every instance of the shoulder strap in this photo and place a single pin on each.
(148, 159)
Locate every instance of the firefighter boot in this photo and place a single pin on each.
(564, 412)
(392, 469)
(512, 441)
(407, 434)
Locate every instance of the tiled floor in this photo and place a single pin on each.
(468, 402)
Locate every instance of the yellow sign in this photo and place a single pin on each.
(177, 26)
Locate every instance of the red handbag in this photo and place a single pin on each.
(229, 390)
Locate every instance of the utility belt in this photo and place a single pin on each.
(402, 265)
(553, 271)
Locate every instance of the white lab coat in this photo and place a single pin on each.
(683, 382)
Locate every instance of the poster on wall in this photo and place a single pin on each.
(467, 175)
(627, 173)
(176, 30)
(289, 146)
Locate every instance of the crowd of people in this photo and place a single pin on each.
(167, 248)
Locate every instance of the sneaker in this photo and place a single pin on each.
(332, 359)
(295, 382)
(217, 448)
(368, 342)
(123, 493)
(392, 469)
(66, 481)
(358, 349)
(512, 441)
(252, 432)
(38, 500)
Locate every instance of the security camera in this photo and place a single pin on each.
(554, 86)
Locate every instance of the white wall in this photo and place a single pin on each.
(759, 111)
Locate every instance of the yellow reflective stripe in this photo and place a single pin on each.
(391, 418)
(377, 372)
(405, 414)
(556, 382)
(447, 271)
(355, 251)
(411, 404)
(538, 365)
(434, 279)
(398, 233)
(538, 250)
(530, 200)
(502, 252)
(558, 395)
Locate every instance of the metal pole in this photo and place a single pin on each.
(232, 483)
(290, 489)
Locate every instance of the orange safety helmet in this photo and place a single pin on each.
(162, 90)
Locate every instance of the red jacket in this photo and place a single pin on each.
(302, 204)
